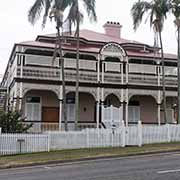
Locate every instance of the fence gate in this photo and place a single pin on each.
(113, 116)
(132, 136)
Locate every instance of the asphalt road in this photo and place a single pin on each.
(155, 167)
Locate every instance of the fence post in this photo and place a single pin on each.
(49, 141)
(111, 114)
(87, 138)
(168, 133)
(123, 134)
(139, 133)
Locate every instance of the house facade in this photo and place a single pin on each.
(119, 80)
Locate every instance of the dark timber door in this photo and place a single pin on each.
(50, 114)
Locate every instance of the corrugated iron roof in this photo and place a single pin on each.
(97, 37)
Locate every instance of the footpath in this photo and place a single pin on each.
(62, 156)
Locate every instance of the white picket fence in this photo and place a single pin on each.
(23, 143)
(89, 138)
(123, 136)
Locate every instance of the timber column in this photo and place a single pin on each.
(126, 92)
(159, 96)
(61, 99)
(60, 108)
(102, 89)
(98, 93)
(22, 58)
(122, 93)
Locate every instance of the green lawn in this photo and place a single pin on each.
(57, 156)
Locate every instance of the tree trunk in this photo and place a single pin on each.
(178, 109)
(77, 76)
(63, 78)
(163, 79)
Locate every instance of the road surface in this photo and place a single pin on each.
(148, 167)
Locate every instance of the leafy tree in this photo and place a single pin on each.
(156, 11)
(12, 122)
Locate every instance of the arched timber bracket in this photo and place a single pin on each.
(113, 49)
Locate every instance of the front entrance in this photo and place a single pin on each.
(50, 115)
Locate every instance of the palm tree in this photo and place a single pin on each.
(53, 9)
(175, 8)
(75, 17)
(156, 11)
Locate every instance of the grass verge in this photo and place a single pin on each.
(78, 154)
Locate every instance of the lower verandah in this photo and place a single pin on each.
(42, 108)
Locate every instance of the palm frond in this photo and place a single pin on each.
(157, 12)
(73, 16)
(35, 11)
(175, 7)
(137, 11)
(47, 6)
(90, 6)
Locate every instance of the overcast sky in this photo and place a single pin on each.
(15, 27)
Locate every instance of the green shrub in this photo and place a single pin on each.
(12, 122)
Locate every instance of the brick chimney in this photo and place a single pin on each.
(113, 29)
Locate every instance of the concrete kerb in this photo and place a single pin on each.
(79, 160)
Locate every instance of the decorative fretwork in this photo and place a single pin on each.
(114, 50)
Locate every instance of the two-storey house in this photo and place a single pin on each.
(119, 80)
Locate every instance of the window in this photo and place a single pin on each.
(112, 59)
(134, 114)
(39, 52)
(134, 111)
(71, 112)
(30, 99)
(33, 109)
(141, 61)
(167, 63)
(81, 56)
(70, 109)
